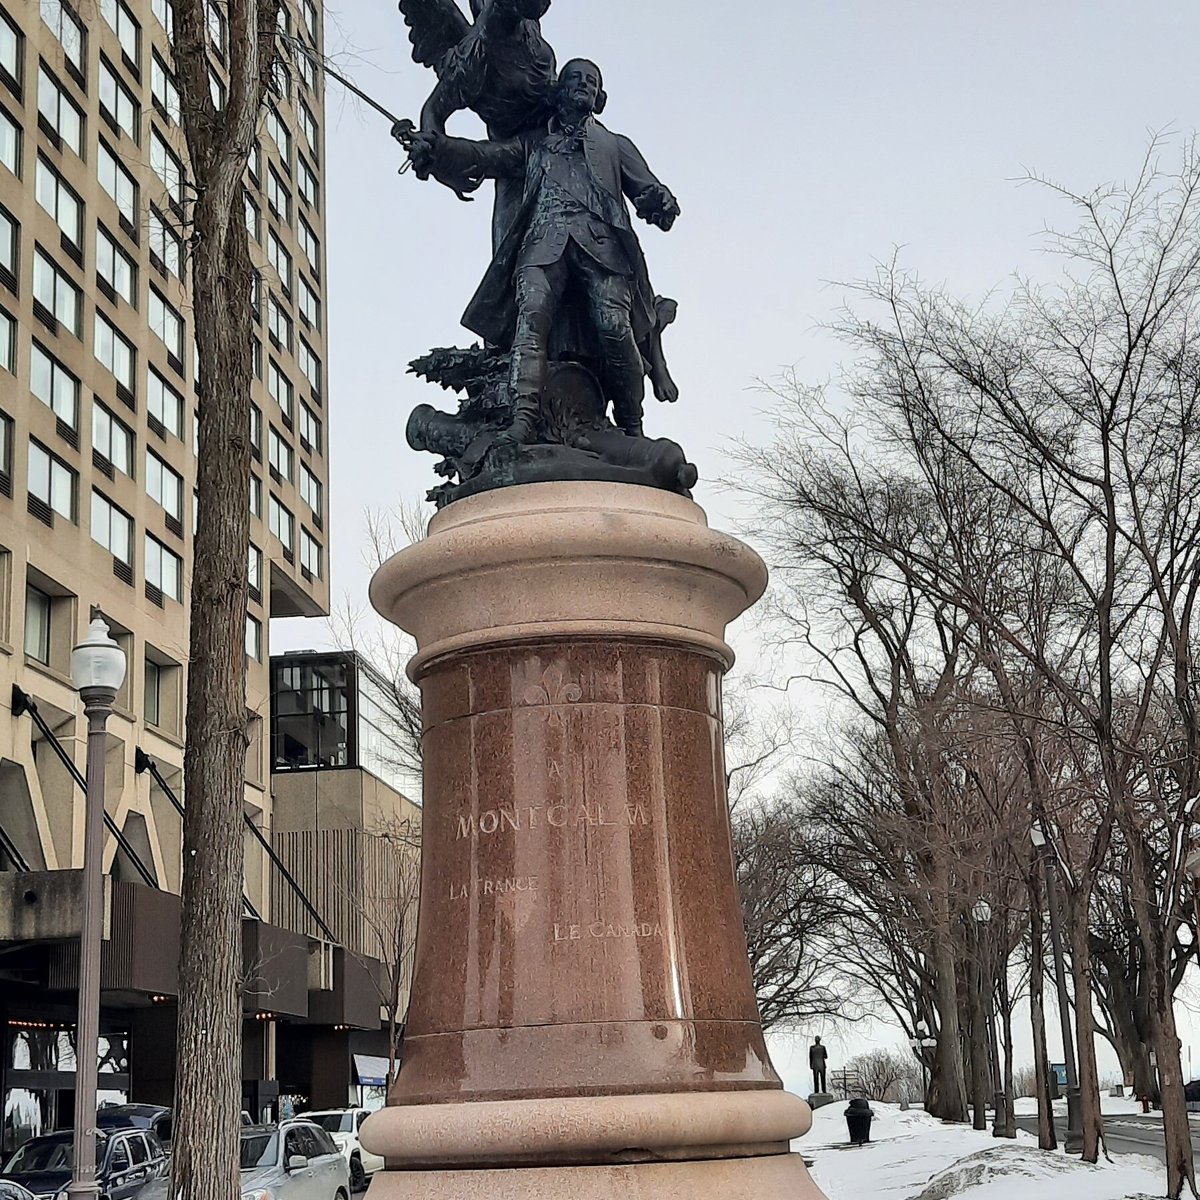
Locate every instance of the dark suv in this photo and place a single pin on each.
(126, 1159)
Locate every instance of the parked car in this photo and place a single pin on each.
(138, 1116)
(14, 1191)
(126, 1160)
(294, 1160)
(343, 1124)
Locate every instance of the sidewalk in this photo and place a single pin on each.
(914, 1157)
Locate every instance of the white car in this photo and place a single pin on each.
(294, 1160)
(343, 1125)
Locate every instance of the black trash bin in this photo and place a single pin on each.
(858, 1121)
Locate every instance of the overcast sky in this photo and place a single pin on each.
(805, 141)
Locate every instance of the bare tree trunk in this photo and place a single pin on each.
(1047, 1137)
(1085, 1029)
(208, 1078)
(948, 1091)
(1176, 1128)
(979, 1041)
(1009, 1121)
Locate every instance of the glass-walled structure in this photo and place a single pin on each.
(334, 712)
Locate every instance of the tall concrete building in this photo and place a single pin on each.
(98, 441)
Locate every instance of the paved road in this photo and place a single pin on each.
(1123, 1134)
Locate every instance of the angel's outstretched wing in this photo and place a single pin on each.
(435, 26)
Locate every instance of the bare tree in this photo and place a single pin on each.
(888, 1076)
(219, 140)
(794, 918)
(1050, 439)
(386, 906)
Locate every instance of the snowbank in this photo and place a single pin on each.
(912, 1156)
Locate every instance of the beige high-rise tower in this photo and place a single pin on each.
(98, 421)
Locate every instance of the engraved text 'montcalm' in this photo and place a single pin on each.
(555, 816)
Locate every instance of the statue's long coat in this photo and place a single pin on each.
(616, 170)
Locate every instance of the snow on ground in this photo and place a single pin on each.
(1110, 1106)
(913, 1156)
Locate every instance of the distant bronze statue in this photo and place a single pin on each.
(568, 286)
(818, 1056)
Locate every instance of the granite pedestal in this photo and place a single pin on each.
(583, 1021)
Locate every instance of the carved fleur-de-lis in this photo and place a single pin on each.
(555, 688)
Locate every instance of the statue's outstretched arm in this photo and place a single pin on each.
(653, 200)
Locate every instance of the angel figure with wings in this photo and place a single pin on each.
(501, 68)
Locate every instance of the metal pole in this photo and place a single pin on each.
(1074, 1139)
(97, 705)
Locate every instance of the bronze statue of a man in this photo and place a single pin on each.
(569, 272)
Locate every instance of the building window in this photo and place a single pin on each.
(255, 496)
(121, 22)
(308, 9)
(279, 199)
(116, 353)
(112, 439)
(279, 387)
(256, 424)
(279, 324)
(216, 89)
(60, 202)
(38, 610)
(307, 186)
(164, 403)
(118, 103)
(69, 31)
(166, 165)
(279, 454)
(8, 343)
(119, 184)
(254, 568)
(310, 305)
(278, 132)
(164, 569)
(152, 701)
(309, 124)
(307, 69)
(281, 523)
(59, 111)
(164, 89)
(311, 245)
(253, 638)
(112, 528)
(253, 217)
(57, 295)
(115, 267)
(11, 47)
(164, 14)
(167, 324)
(165, 243)
(310, 491)
(254, 162)
(310, 365)
(281, 260)
(164, 485)
(52, 482)
(10, 143)
(216, 30)
(9, 243)
(6, 449)
(54, 385)
(310, 554)
(310, 429)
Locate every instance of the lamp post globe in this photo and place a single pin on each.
(1037, 836)
(97, 669)
(98, 662)
(982, 912)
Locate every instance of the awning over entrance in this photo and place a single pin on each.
(371, 1071)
